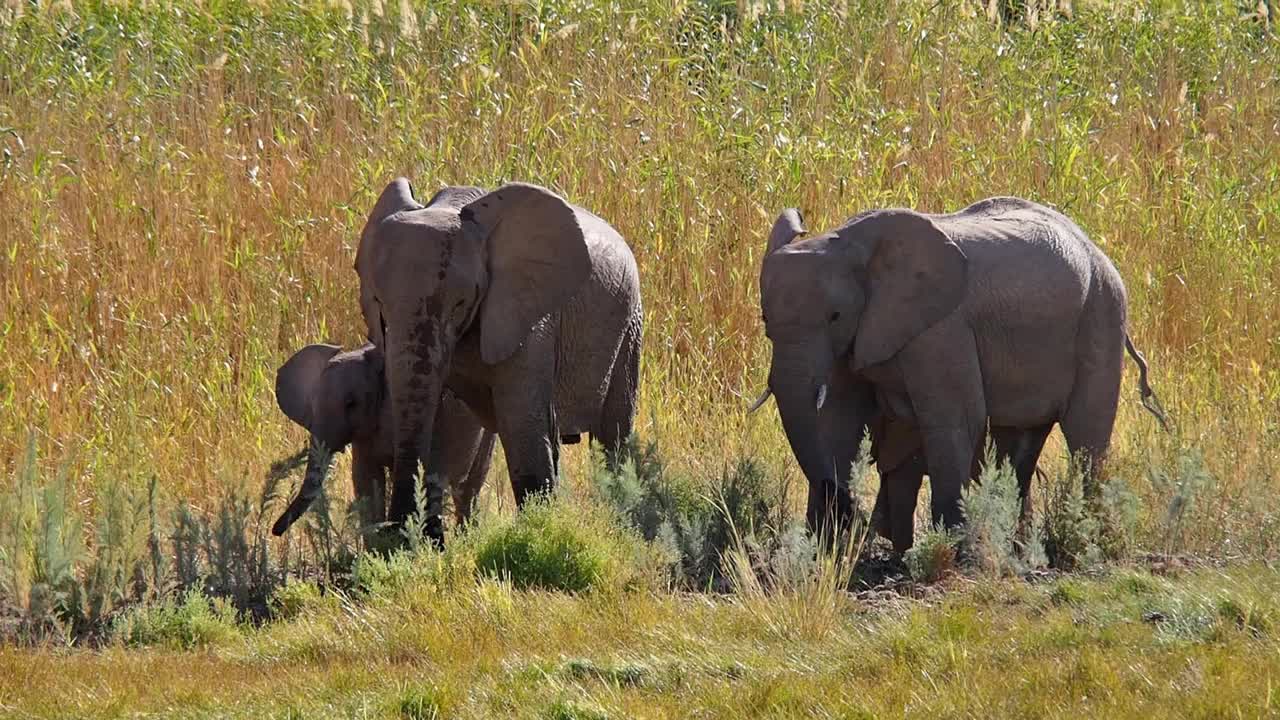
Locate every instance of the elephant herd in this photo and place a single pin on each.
(513, 314)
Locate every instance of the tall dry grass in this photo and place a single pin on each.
(181, 186)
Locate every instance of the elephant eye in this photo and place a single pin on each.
(835, 316)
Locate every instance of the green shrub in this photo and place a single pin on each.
(684, 519)
(386, 576)
(1069, 529)
(933, 555)
(295, 596)
(1181, 488)
(193, 620)
(991, 508)
(551, 545)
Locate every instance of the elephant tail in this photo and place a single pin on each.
(1149, 400)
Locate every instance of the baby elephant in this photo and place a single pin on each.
(341, 398)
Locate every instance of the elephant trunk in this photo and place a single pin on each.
(800, 395)
(416, 378)
(319, 459)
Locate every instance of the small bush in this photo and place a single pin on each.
(292, 598)
(991, 508)
(551, 546)
(1181, 488)
(1069, 529)
(386, 576)
(675, 513)
(933, 556)
(1257, 619)
(1067, 592)
(1117, 519)
(193, 620)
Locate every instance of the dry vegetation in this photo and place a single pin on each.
(182, 188)
(181, 185)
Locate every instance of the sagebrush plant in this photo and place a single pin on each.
(933, 555)
(1180, 488)
(692, 520)
(1069, 523)
(991, 510)
(70, 571)
(193, 619)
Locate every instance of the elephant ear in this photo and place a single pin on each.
(455, 197)
(538, 259)
(916, 276)
(296, 379)
(788, 227)
(396, 196)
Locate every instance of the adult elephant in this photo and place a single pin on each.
(526, 307)
(1004, 312)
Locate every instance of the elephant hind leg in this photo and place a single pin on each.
(1091, 414)
(617, 415)
(467, 488)
(1022, 448)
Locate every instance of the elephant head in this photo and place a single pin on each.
(485, 267)
(337, 396)
(836, 304)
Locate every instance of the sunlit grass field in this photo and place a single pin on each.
(181, 189)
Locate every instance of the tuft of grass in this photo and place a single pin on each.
(799, 589)
(421, 702)
(568, 710)
(625, 675)
(294, 597)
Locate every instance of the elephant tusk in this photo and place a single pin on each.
(822, 396)
(760, 400)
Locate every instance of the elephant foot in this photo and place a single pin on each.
(527, 487)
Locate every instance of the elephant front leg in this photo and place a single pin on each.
(950, 408)
(527, 424)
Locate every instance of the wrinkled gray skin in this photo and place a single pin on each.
(341, 399)
(524, 306)
(1003, 312)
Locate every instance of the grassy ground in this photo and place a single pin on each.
(181, 185)
(1127, 645)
